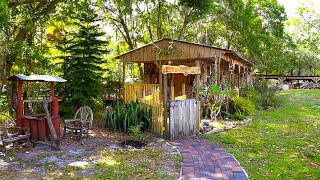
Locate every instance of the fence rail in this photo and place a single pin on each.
(137, 91)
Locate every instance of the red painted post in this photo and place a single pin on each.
(55, 111)
(56, 124)
(55, 107)
(19, 110)
(52, 90)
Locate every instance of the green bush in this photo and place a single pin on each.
(250, 93)
(243, 107)
(124, 116)
(266, 94)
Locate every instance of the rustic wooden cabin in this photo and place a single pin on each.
(172, 61)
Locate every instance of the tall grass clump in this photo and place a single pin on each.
(262, 94)
(123, 116)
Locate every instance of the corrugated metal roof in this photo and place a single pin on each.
(43, 78)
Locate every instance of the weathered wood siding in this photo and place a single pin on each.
(183, 118)
(168, 50)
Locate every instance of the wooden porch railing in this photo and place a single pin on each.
(147, 94)
(137, 91)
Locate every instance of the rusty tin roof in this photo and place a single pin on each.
(41, 78)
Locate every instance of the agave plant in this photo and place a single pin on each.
(127, 115)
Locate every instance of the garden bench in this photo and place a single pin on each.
(81, 123)
(10, 134)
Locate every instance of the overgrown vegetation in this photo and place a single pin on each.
(280, 143)
(262, 94)
(129, 115)
(243, 107)
(213, 97)
(136, 133)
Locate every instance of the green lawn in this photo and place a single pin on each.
(283, 143)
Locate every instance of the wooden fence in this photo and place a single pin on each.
(137, 91)
(183, 118)
(148, 94)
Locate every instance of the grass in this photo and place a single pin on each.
(282, 143)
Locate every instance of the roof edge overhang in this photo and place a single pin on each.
(193, 43)
(36, 78)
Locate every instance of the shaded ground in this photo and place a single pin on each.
(101, 157)
(280, 143)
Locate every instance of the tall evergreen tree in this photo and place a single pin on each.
(84, 49)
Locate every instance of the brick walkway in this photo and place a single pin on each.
(204, 160)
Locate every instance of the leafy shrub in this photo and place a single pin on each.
(266, 93)
(136, 133)
(128, 115)
(250, 93)
(243, 107)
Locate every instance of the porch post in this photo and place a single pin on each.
(165, 106)
(239, 76)
(197, 97)
(19, 103)
(160, 80)
(219, 70)
(124, 80)
(232, 75)
(172, 87)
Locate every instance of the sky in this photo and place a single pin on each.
(292, 5)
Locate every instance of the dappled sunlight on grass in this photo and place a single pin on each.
(279, 143)
(107, 161)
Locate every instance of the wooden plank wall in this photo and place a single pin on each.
(183, 118)
(157, 111)
(137, 91)
(147, 94)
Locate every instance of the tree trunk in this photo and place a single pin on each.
(184, 27)
(159, 27)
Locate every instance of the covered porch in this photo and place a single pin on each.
(216, 66)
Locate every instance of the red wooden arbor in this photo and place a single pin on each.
(37, 123)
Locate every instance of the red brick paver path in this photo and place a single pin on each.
(203, 159)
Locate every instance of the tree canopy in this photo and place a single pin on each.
(259, 29)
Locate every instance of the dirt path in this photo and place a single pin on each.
(74, 160)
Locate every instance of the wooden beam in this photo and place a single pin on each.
(243, 77)
(172, 87)
(216, 71)
(233, 74)
(239, 76)
(124, 79)
(160, 80)
(180, 69)
(219, 70)
(165, 107)
(183, 88)
(198, 98)
(19, 103)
